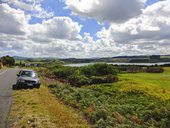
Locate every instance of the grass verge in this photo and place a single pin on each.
(40, 109)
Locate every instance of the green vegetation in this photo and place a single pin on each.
(155, 70)
(139, 99)
(38, 108)
(7, 61)
(139, 69)
(87, 75)
(136, 100)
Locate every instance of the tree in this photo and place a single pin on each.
(1, 64)
(8, 61)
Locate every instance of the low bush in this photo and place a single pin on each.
(78, 80)
(103, 79)
(46, 72)
(111, 78)
(86, 75)
(64, 72)
(138, 69)
(154, 69)
(88, 70)
(97, 80)
(107, 106)
(100, 69)
(105, 69)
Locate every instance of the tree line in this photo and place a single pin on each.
(7, 61)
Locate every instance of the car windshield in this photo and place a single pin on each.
(28, 74)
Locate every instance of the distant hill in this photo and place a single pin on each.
(21, 58)
(128, 59)
(131, 59)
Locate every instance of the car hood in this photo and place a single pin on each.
(29, 78)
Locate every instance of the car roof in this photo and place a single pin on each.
(27, 70)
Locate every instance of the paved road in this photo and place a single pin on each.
(7, 79)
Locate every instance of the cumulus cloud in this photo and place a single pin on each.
(13, 21)
(55, 36)
(34, 7)
(56, 28)
(62, 27)
(148, 31)
(115, 11)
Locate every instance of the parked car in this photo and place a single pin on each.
(28, 78)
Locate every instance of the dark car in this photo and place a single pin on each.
(28, 78)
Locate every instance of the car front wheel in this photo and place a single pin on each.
(37, 86)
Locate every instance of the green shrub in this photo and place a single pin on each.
(155, 69)
(110, 78)
(64, 72)
(123, 109)
(88, 70)
(54, 66)
(98, 70)
(96, 80)
(104, 69)
(78, 80)
(103, 79)
(86, 75)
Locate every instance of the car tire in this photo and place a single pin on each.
(37, 86)
(15, 86)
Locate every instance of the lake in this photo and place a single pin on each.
(117, 63)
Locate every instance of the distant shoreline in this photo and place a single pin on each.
(117, 63)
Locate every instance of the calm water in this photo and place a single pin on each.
(145, 64)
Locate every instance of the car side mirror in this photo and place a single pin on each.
(18, 75)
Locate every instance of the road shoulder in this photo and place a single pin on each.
(39, 108)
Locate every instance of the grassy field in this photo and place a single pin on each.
(137, 100)
(157, 84)
(37, 108)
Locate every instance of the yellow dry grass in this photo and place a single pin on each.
(40, 109)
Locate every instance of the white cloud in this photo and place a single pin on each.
(34, 7)
(56, 28)
(87, 38)
(148, 33)
(13, 21)
(53, 37)
(153, 24)
(115, 11)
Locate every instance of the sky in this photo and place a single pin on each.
(84, 28)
